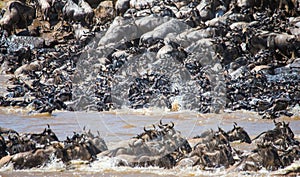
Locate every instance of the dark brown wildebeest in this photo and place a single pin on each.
(3, 147)
(281, 135)
(73, 12)
(17, 15)
(238, 133)
(45, 137)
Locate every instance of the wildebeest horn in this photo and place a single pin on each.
(286, 124)
(48, 125)
(145, 129)
(172, 125)
(154, 126)
(234, 124)
(162, 123)
(83, 128)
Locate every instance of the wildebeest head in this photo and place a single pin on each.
(167, 128)
(284, 128)
(270, 157)
(238, 133)
(221, 136)
(148, 134)
(45, 137)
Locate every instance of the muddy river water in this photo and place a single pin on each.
(120, 125)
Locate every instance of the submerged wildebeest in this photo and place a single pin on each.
(44, 138)
(213, 148)
(162, 146)
(265, 155)
(281, 135)
(236, 134)
(213, 151)
(83, 146)
(17, 144)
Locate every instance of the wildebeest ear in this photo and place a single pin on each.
(172, 125)
(145, 129)
(234, 124)
(259, 145)
(160, 122)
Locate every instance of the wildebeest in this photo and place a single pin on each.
(7, 131)
(73, 12)
(44, 138)
(281, 135)
(45, 6)
(3, 147)
(17, 144)
(162, 147)
(17, 15)
(238, 133)
(89, 13)
(269, 157)
(104, 11)
(220, 155)
(122, 6)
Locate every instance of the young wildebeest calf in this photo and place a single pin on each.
(17, 15)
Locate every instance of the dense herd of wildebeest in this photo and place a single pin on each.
(161, 145)
(241, 54)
